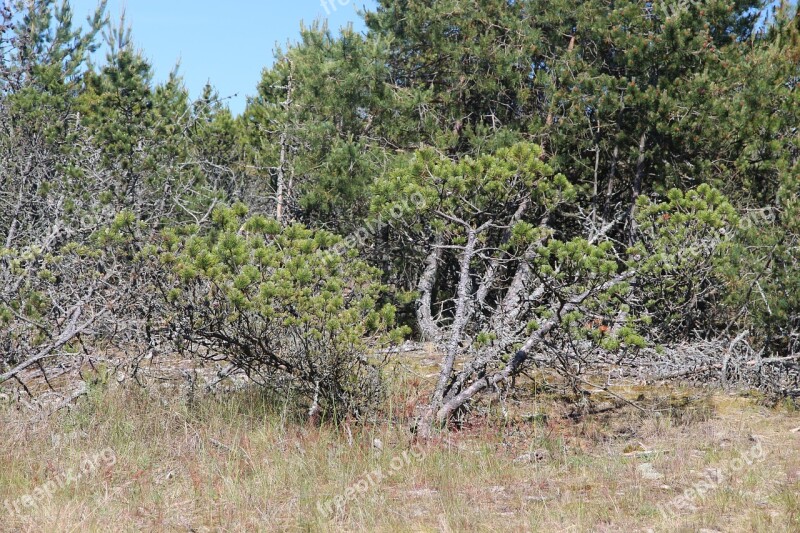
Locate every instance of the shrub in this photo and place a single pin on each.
(288, 306)
(679, 244)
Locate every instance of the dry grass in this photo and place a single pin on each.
(244, 462)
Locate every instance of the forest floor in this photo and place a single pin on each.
(673, 459)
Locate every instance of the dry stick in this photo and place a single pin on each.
(610, 187)
(463, 310)
(771, 360)
(684, 373)
(461, 315)
(605, 389)
(68, 334)
(20, 197)
(45, 352)
(82, 391)
(494, 265)
(222, 375)
(509, 307)
(728, 353)
(523, 354)
(22, 384)
(637, 185)
(44, 374)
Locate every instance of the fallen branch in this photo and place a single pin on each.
(46, 352)
(684, 373)
(66, 402)
(773, 360)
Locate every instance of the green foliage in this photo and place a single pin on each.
(679, 233)
(434, 198)
(321, 114)
(616, 83)
(761, 269)
(567, 271)
(214, 136)
(461, 69)
(283, 305)
(43, 61)
(681, 241)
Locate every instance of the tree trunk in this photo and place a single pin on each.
(438, 417)
(427, 325)
(463, 296)
(637, 186)
(281, 189)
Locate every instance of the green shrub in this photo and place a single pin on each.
(289, 306)
(680, 242)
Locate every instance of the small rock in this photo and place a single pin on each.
(647, 471)
(539, 498)
(377, 444)
(536, 456)
(422, 492)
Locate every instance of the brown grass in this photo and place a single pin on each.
(244, 462)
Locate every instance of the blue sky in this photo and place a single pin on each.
(225, 42)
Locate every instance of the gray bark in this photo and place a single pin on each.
(427, 325)
(523, 353)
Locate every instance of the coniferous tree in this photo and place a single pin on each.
(319, 125)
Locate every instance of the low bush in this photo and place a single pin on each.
(289, 306)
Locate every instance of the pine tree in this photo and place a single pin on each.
(319, 125)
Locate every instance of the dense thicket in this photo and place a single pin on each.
(557, 183)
